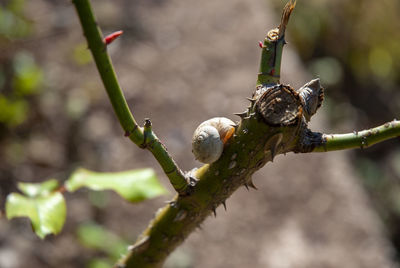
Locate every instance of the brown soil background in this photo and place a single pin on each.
(180, 63)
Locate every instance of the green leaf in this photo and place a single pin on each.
(97, 237)
(28, 76)
(133, 185)
(99, 263)
(36, 189)
(47, 213)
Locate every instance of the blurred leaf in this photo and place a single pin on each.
(36, 189)
(12, 24)
(47, 213)
(16, 6)
(99, 263)
(97, 237)
(380, 62)
(13, 112)
(134, 185)
(28, 76)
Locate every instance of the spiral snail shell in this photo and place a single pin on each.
(209, 138)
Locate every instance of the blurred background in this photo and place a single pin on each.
(180, 63)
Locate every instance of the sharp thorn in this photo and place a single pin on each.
(241, 115)
(251, 184)
(275, 142)
(172, 203)
(273, 153)
(224, 204)
(247, 117)
(251, 100)
(247, 187)
(214, 211)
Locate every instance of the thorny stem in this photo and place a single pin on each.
(118, 101)
(272, 48)
(255, 143)
(360, 139)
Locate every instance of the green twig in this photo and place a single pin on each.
(360, 139)
(116, 96)
(272, 48)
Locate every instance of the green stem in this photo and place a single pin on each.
(270, 65)
(106, 70)
(118, 101)
(361, 139)
(272, 49)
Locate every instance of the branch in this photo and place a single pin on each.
(254, 143)
(272, 48)
(144, 139)
(274, 123)
(318, 142)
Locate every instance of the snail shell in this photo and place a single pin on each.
(209, 138)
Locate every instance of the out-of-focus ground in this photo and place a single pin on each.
(180, 63)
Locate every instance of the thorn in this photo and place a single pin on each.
(273, 153)
(251, 184)
(247, 117)
(147, 130)
(247, 187)
(147, 123)
(260, 44)
(251, 100)
(241, 115)
(275, 141)
(111, 37)
(224, 204)
(214, 211)
(127, 133)
(272, 72)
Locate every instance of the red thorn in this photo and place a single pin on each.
(111, 37)
(272, 72)
(260, 44)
